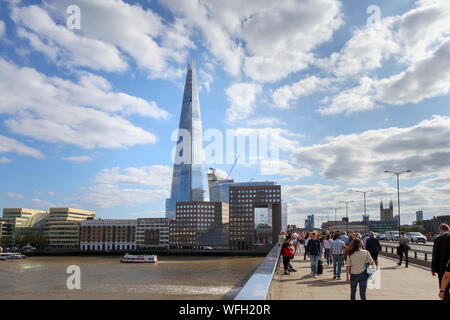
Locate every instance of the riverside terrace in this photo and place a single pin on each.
(396, 283)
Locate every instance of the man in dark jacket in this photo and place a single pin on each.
(441, 255)
(373, 246)
(314, 248)
(403, 249)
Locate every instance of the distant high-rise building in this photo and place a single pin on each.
(213, 177)
(396, 219)
(419, 215)
(220, 189)
(284, 215)
(189, 171)
(309, 222)
(167, 208)
(386, 214)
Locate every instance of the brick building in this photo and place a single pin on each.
(108, 234)
(194, 219)
(255, 215)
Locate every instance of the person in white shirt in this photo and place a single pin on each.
(357, 258)
(297, 241)
(327, 245)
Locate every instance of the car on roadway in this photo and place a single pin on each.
(416, 237)
(391, 236)
(380, 236)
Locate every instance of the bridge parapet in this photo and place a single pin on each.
(258, 286)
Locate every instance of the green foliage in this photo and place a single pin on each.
(22, 240)
(38, 242)
(5, 242)
(413, 228)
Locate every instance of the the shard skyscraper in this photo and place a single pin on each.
(189, 181)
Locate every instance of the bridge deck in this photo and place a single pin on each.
(397, 283)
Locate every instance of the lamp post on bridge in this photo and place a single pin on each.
(346, 210)
(365, 212)
(398, 193)
(335, 215)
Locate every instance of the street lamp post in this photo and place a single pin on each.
(398, 193)
(365, 211)
(335, 215)
(346, 210)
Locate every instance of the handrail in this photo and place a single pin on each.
(257, 287)
(394, 246)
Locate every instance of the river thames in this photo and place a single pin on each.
(173, 277)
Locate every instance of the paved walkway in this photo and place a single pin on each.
(397, 283)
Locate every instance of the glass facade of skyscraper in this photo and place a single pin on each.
(189, 171)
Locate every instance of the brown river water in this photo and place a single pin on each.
(173, 277)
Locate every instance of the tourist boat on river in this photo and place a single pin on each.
(129, 258)
(12, 256)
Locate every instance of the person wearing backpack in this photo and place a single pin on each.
(287, 251)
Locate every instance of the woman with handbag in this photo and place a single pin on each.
(287, 251)
(358, 260)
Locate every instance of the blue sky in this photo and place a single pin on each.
(86, 115)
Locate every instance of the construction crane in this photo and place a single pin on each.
(234, 164)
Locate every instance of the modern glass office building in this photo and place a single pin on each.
(189, 180)
(284, 215)
(219, 190)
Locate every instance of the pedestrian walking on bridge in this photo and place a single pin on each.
(314, 248)
(373, 246)
(357, 260)
(441, 256)
(403, 249)
(327, 247)
(337, 251)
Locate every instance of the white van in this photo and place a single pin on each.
(391, 236)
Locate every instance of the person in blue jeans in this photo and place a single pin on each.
(337, 251)
(314, 248)
(357, 258)
(327, 248)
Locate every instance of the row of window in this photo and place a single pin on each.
(184, 206)
(255, 191)
(254, 195)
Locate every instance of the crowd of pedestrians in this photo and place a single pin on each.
(357, 252)
(337, 248)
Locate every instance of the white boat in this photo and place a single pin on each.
(11, 255)
(129, 258)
